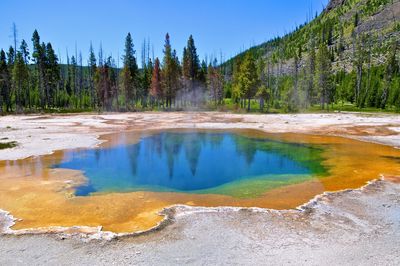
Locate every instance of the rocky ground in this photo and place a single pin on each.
(358, 227)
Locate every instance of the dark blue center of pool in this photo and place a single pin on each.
(185, 162)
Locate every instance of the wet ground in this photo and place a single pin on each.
(349, 228)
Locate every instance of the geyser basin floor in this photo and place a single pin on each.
(42, 196)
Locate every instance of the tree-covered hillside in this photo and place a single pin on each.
(347, 54)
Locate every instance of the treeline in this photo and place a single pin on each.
(326, 63)
(330, 61)
(37, 81)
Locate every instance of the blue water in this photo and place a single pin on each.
(183, 162)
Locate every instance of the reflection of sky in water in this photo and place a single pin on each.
(184, 162)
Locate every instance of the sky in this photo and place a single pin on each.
(224, 27)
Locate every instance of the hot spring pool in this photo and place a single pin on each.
(194, 162)
(123, 184)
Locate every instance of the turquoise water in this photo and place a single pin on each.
(190, 162)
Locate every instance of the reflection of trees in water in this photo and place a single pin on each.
(245, 147)
(133, 154)
(35, 166)
(306, 155)
(215, 140)
(155, 145)
(193, 144)
(171, 145)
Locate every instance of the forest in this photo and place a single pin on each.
(37, 81)
(346, 56)
(321, 65)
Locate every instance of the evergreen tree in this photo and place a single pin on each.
(203, 72)
(248, 80)
(105, 84)
(19, 80)
(323, 75)
(73, 83)
(156, 91)
(52, 74)
(25, 55)
(391, 69)
(92, 72)
(25, 51)
(39, 60)
(11, 56)
(168, 72)
(194, 62)
(310, 72)
(68, 86)
(176, 74)
(130, 73)
(113, 88)
(5, 83)
(191, 70)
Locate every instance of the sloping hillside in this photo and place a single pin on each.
(338, 25)
(361, 38)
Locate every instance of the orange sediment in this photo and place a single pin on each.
(43, 197)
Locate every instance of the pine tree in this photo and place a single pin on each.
(203, 72)
(248, 80)
(92, 72)
(293, 96)
(52, 73)
(68, 86)
(237, 93)
(130, 73)
(149, 75)
(106, 84)
(194, 62)
(11, 56)
(19, 80)
(72, 78)
(310, 72)
(113, 88)
(168, 72)
(263, 75)
(176, 75)
(145, 74)
(39, 59)
(25, 51)
(391, 69)
(323, 75)
(25, 55)
(191, 70)
(5, 83)
(156, 92)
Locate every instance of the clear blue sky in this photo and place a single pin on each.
(229, 26)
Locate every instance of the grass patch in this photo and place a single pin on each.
(8, 145)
